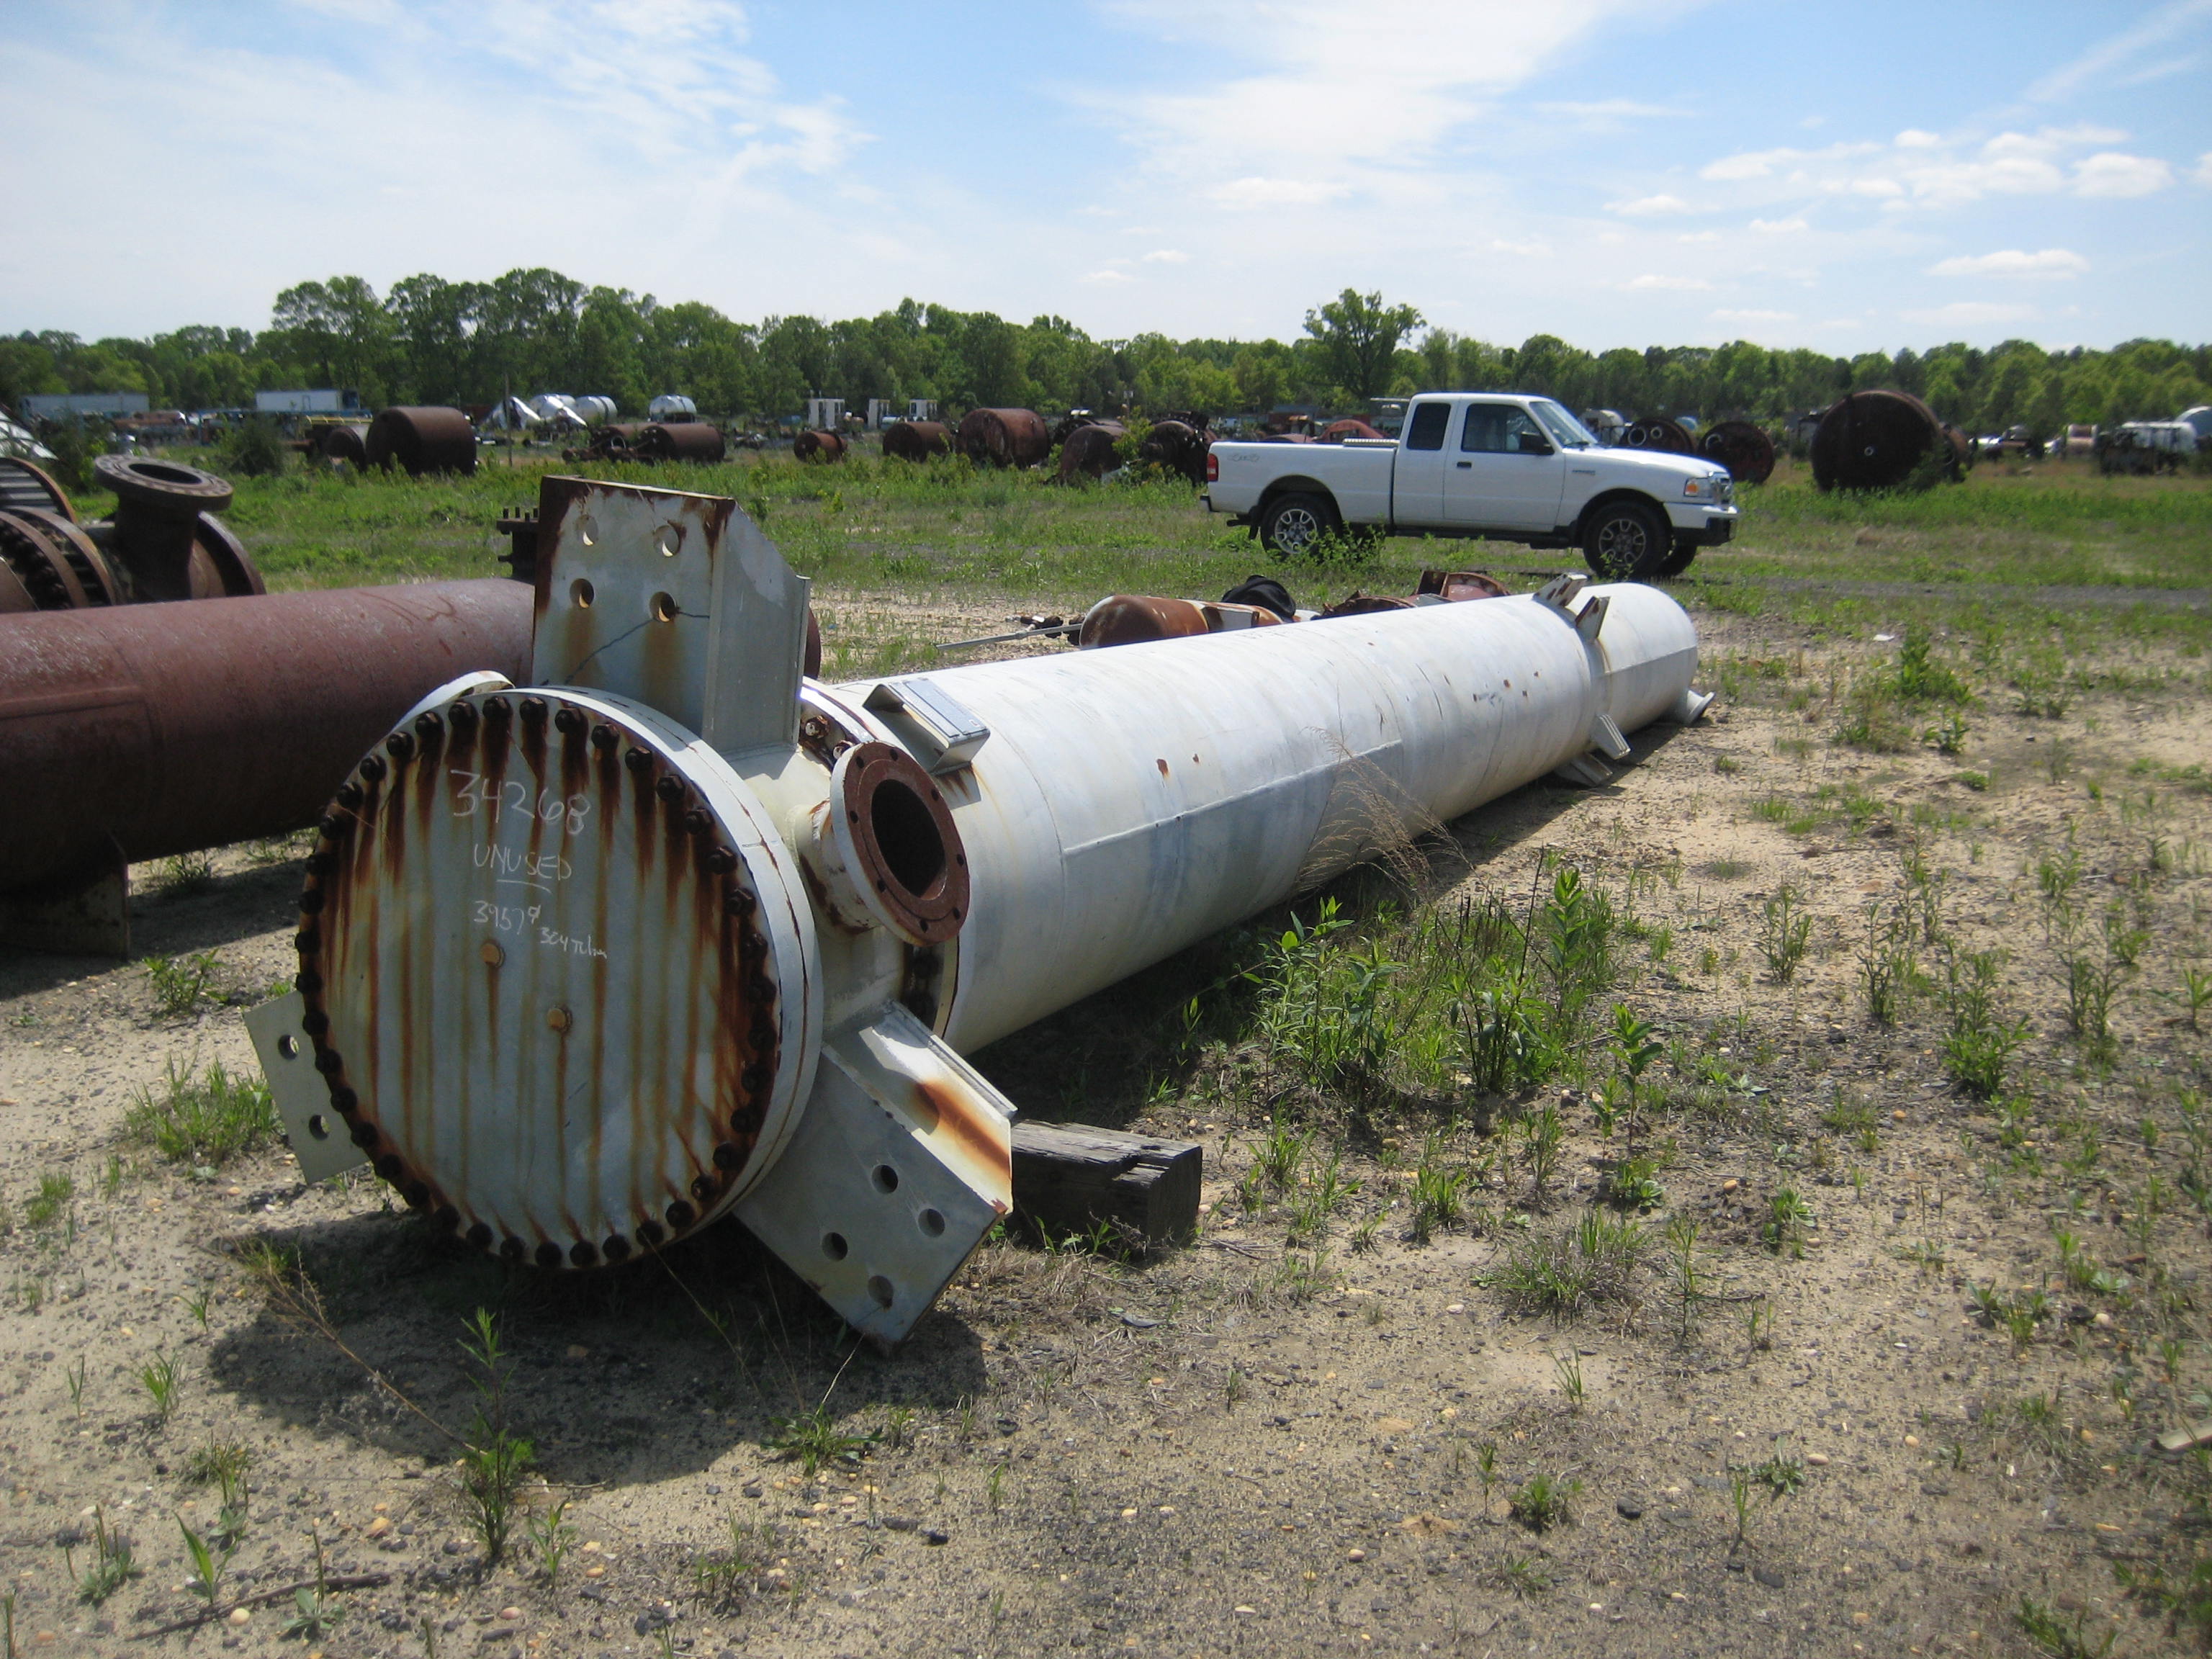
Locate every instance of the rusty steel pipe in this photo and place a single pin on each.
(698, 442)
(819, 447)
(152, 729)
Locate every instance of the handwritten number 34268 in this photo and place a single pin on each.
(478, 793)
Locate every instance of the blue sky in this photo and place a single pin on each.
(1616, 171)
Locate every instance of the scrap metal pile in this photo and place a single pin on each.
(164, 543)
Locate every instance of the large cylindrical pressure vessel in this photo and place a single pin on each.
(158, 729)
(1129, 803)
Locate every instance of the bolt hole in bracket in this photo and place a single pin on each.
(303, 1100)
(904, 1157)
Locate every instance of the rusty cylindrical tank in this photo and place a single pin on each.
(1657, 432)
(422, 440)
(1878, 440)
(1745, 449)
(1089, 451)
(1005, 437)
(917, 441)
(699, 442)
(1140, 618)
(161, 729)
(1179, 446)
(819, 447)
(348, 443)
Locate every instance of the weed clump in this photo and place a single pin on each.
(206, 1120)
(1595, 1259)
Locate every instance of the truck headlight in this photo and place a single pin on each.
(1711, 491)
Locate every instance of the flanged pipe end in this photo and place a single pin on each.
(165, 487)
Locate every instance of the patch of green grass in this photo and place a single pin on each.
(44, 1207)
(207, 1120)
(1544, 1501)
(815, 1440)
(1594, 1258)
(179, 982)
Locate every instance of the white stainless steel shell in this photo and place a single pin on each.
(1129, 802)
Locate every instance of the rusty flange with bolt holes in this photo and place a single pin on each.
(555, 968)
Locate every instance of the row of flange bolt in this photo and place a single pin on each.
(164, 543)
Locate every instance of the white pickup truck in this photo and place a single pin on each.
(1488, 465)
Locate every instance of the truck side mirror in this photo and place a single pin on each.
(1532, 445)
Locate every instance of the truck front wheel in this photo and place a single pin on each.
(1291, 524)
(1625, 542)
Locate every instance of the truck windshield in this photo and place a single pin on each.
(1567, 431)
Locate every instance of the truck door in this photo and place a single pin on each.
(1505, 472)
(1417, 478)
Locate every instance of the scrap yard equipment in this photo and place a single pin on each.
(422, 440)
(1746, 450)
(1004, 437)
(138, 732)
(1879, 439)
(917, 441)
(164, 543)
(664, 931)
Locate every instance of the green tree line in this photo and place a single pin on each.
(429, 340)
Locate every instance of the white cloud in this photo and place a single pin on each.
(1673, 284)
(2202, 172)
(1651, 206)
(1259, 192)
(2119, 49)
(1109, 275)
(1969, 314)
(2012, 262)
(2114, 175)
(1921, 169)
(1167, 255)
(1699, 236)
(1524, 250)
(1755, 316)
(1778, 227)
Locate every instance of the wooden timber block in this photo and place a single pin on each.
(1068, 1178)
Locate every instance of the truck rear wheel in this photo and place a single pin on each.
(1679, 560)
(1625, 542)
(1290, 524)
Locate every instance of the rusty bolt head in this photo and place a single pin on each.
(445, 1218)
(480, 1236)
(533, 710)
(308, 982)
(616, 1248)
(399, 745)
(583, 1254)
(728, 1157)
(722, 860)
(417, 1194)
(427, 725)
(570, 720)
(344, 1099)
(739, 902)
(390, 1169)
(329, 1062)
(498, 708)
(605, 737)
(364, 1136)
(670, 787)
(702, 1190)
(315, 1021)
(697, 821)
(463, 716)
(373, 769)
(639, 760)
(650, 1232)
(307, 941)
(492, 955)
(680, 1215)
(559, 1019)
(512, 1248)
(349, 796)
(549, 1255)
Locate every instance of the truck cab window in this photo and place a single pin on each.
(1426, 430)
(1487, 431)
